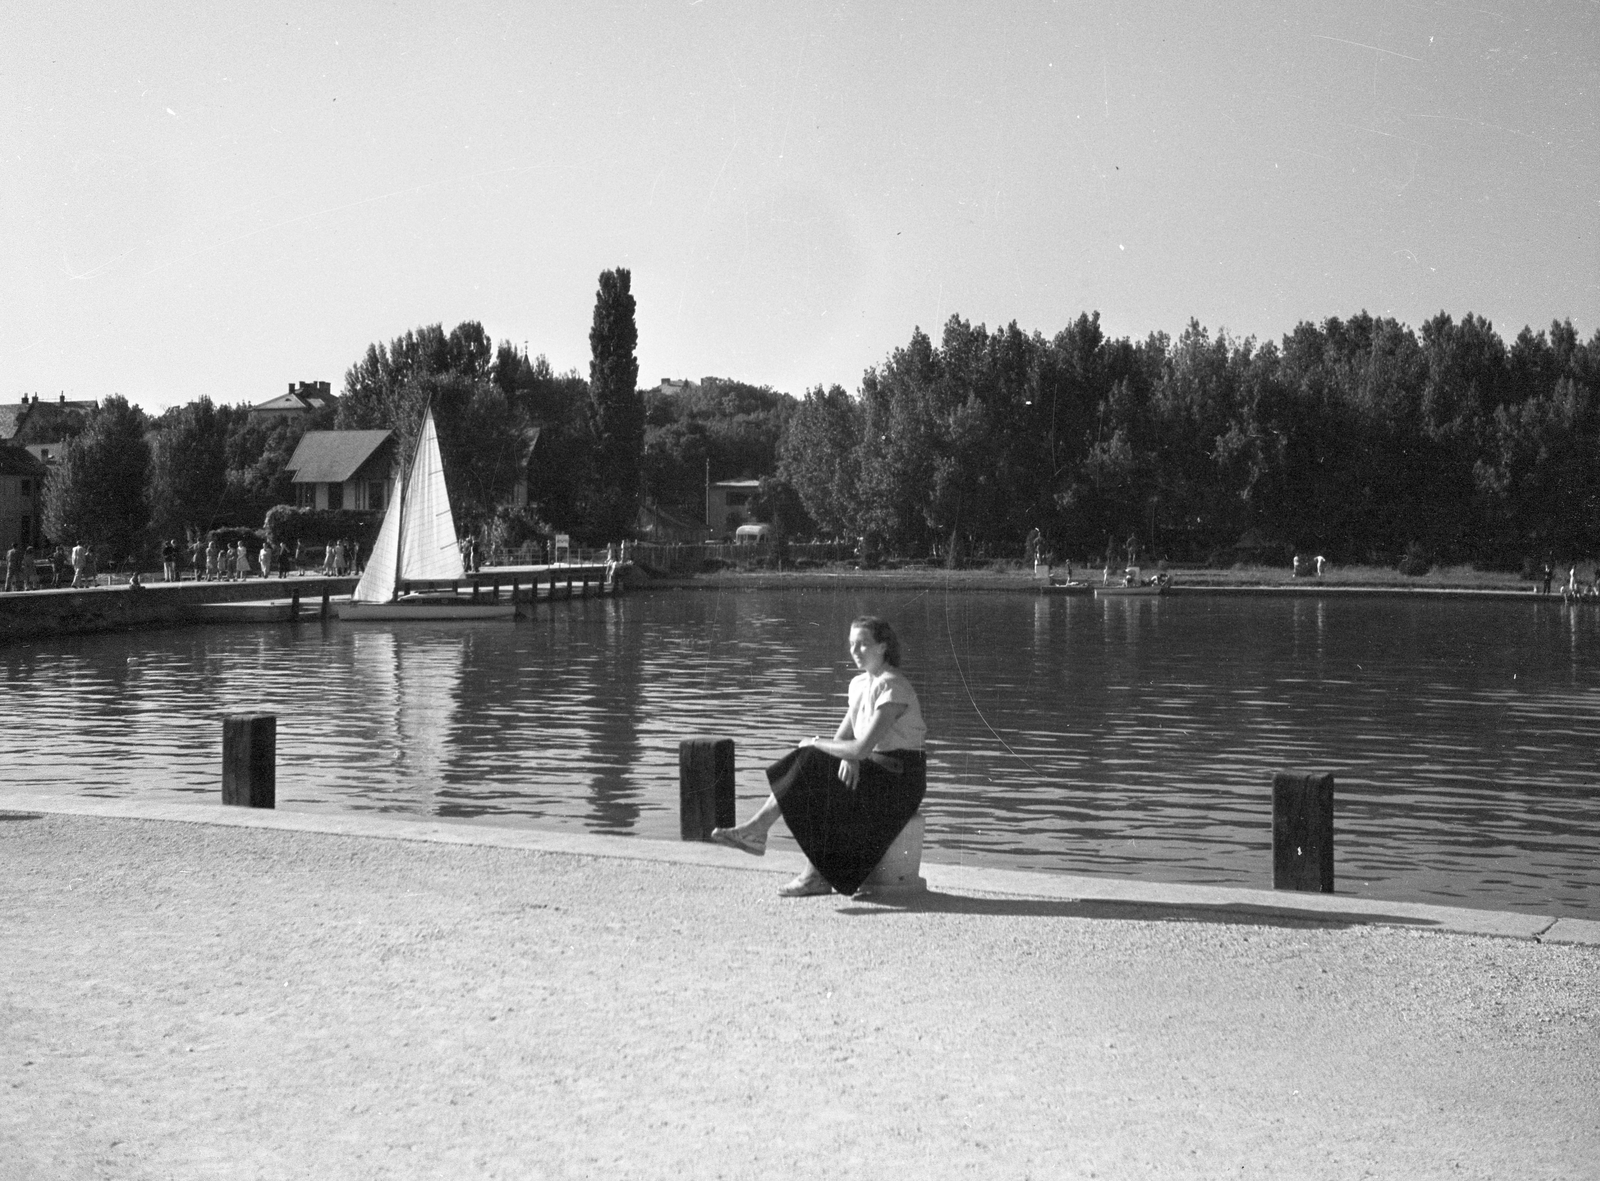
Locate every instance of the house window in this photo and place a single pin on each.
(374, 494)
(306, 495)
(335, 497)
(27, 488)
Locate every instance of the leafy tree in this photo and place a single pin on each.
(617, 410)
(188, 469)
(480, 406)
(96, 493)
(817, 457)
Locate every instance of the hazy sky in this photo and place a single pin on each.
(222, 199)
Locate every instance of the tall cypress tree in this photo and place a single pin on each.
(616, 409)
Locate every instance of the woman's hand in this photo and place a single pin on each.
(849, 772)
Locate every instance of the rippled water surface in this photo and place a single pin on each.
(1133, 737)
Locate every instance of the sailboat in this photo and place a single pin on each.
(417, 543)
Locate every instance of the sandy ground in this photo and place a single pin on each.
(191, 1001)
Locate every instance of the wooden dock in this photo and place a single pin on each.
(523, 586)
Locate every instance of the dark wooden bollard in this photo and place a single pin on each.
(705, 786)
(1302, 832)
(250, 760)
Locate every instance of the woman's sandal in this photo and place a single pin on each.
(805, 885)
(745, 843)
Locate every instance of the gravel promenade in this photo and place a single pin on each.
(242, 997)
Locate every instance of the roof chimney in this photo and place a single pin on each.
(63, 397)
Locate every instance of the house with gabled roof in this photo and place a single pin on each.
(44, 427)
(303, 398)
(343, 470)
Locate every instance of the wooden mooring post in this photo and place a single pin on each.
(250, 760)
(1302, 832)
(705, 786)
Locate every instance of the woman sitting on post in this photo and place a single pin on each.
(846, 798)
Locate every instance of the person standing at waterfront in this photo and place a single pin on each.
(846, 799)
(79, 560)
(30, 569)
(265, 560)
(13, 568)
(241, 560)
(169, 560)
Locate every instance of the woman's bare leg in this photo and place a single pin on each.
(763, 819)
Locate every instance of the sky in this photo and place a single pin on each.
(225, 199)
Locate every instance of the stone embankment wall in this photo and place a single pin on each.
(32, 615)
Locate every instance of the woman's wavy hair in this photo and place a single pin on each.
(881, 633)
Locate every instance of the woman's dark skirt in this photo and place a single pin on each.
(845, 832)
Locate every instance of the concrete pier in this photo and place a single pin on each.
(194, 991)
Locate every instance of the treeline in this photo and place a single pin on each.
(127, 481)
(1357, 438)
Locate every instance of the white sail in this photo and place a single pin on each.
(428, 546)
(377, 578)
(418, 536)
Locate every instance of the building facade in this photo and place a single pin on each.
(21, 498)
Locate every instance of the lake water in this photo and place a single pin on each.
(1129, 737)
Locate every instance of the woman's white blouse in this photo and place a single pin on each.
(867, 693)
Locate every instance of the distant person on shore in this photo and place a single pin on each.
(211, 559)
(30, 569)
(846, 798)
(80, 561)
(1549, 575)
(169, 560)
(299, 556)
(265, 560)
(241, 560)
(13, 568)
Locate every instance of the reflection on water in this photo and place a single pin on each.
(1129, 736)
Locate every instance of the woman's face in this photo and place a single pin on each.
(867, 653)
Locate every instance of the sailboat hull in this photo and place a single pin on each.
(361, 612)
